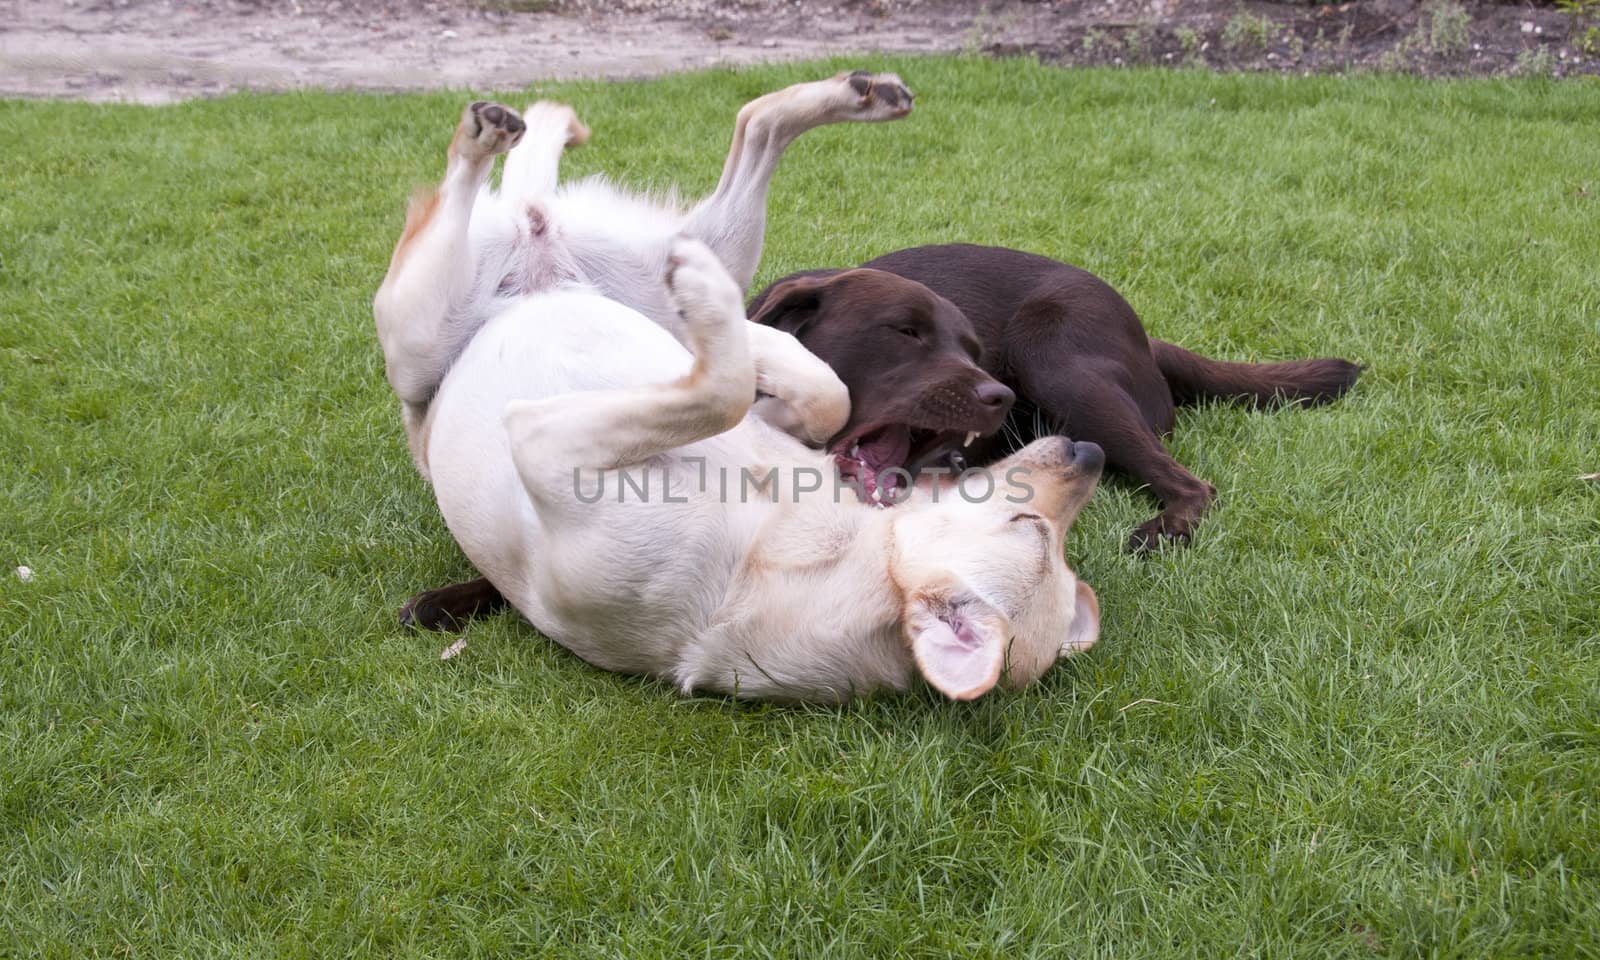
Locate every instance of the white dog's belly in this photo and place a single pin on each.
(629, 584)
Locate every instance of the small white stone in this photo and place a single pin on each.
(769, 42)
(447, 35)
(24, 574)
(1527, 26)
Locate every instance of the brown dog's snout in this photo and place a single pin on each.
(995, 395)
(988, 401)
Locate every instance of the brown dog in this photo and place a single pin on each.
(1064, 341)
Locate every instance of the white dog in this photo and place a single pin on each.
(585, 428)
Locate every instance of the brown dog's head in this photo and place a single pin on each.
(909, 358)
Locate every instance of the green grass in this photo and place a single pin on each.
(1359, 716)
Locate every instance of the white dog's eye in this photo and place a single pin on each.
(1041, 531)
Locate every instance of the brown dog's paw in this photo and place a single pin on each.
(883, 96)
(1159, 532)
(488, 129)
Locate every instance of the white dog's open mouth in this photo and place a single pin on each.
(880, 459)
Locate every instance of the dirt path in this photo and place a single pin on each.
(160, 50)
(156, 51)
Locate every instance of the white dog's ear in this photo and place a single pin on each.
(1085, 629)
(958, 640)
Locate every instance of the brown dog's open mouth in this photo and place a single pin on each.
(879, 460)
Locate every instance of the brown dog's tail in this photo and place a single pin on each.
(1192, 378)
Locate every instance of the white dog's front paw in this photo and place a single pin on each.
(701, 288)
(825, 408)
(812, 418)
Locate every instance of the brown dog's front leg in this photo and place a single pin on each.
(450, 608)
(1132, 446)
(1088, 406)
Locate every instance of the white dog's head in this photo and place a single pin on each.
(988, 596)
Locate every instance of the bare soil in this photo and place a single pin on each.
(158, 51)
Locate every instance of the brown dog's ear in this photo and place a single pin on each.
(958, 640)
(791, 303)
(1085, 628)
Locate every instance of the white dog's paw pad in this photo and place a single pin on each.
(490, 128)
(881, 96)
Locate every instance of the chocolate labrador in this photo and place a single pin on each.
(1069, 347)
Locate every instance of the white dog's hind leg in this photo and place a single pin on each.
(733, 219)
(532, 168)
(611, 429)
(432, 272)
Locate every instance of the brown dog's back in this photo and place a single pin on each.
(1010, 294)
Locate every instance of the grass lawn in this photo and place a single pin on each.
(1359, 716)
